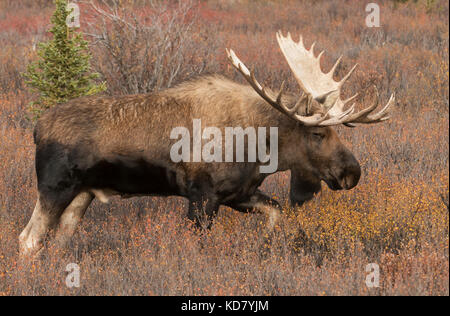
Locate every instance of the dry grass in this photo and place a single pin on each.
(397, 216)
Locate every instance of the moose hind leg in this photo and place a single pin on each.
(44, 218)
(71, 216)
(57, 188)
(32, 237)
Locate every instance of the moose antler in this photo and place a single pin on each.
(322, 86)
(316, 85)
(275, 102)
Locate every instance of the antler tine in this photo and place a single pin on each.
(313, 120)
(343, 80)
(289, 36)
(350, 99)
(280, 93)
(332, 70)
(320, 56)
(300, 40)
(308, 104)
(311, 49)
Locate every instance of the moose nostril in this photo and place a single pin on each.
(353, 176)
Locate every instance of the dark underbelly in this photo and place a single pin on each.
(131, 176)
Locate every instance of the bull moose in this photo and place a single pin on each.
(102, 146)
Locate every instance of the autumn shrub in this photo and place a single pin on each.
(149, 48)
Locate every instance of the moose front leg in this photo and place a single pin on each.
(203, 201)
(261, 203)
(71, 216)
(202, 210)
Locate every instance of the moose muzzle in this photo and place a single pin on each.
(351, 173)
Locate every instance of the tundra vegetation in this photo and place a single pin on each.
(397, 216)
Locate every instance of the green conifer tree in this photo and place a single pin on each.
(62, 71)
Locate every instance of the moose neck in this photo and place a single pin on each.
(290, 133)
